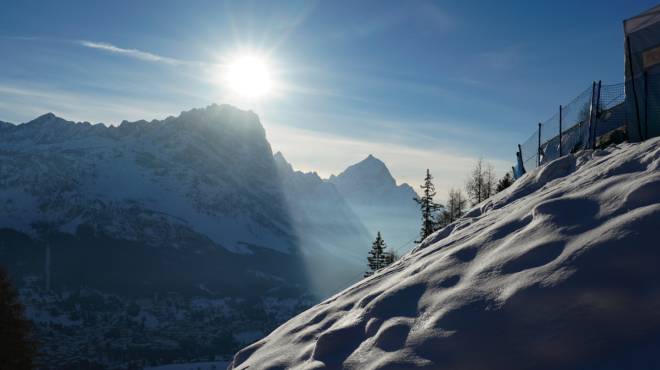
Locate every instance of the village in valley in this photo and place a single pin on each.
(84, 328)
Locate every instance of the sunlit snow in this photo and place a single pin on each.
(560, 271)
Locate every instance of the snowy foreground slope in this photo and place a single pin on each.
(560, 271)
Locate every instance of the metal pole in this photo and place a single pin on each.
(560, 131)
(646, 100)
(596, 115)
(632, 79)
(591, 115)
(538, 152)
(522, 164)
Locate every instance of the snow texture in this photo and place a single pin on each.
(560, 271)
(191, 366)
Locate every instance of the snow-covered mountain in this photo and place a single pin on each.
(560, 271)
(204, 181)
(317, 208)
(371, 191)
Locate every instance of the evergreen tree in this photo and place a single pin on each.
(429, 208)
(18, 349)
(377, 258)
(505, 182)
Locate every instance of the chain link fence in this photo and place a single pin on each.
(600, 116)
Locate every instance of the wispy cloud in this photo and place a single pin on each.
(134, 53)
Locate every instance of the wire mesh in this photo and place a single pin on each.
(530, 151)
(601, 116)
(610, 117)
(647, 102)
(575, 122)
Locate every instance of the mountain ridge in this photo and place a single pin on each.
(372, 193)
(200, 182)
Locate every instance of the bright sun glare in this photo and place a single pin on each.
(248, 76)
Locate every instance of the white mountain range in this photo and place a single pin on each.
(198, 182)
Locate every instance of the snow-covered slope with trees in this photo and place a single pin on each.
(371, 191)
(560, 271)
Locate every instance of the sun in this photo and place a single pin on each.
(248, 76)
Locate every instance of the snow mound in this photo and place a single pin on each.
(560, 271)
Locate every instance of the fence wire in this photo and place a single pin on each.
(600, 116)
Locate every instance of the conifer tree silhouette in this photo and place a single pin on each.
(377, 258)
(18, 349)
(429, 208)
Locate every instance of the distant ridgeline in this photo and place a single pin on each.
(193, 204)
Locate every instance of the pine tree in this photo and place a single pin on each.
(377, 260)
(505, 182)
(429, 208)
(18, 349)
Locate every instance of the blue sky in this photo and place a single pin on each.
(418, 84)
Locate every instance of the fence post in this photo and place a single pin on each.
(560, 131)
(538, 152)
(646, 100)
(591, 115)
(596, 115)
(632, 81)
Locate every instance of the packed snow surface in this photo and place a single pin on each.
(560, 271)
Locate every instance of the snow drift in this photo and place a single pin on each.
(560, 271)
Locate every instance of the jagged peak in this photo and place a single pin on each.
(371, 167)
(45, 118)
(49, 128)
(279, 157)
(281, 162)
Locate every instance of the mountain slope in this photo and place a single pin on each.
(317, 208)
(371, 191)
(560, 271)
(205, 182)
(201, 180)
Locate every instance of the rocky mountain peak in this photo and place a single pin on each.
(281, 162)
(370, 172)
(6, 125)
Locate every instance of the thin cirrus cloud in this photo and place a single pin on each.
(134, 53)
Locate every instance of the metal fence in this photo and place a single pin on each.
(602, 115)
